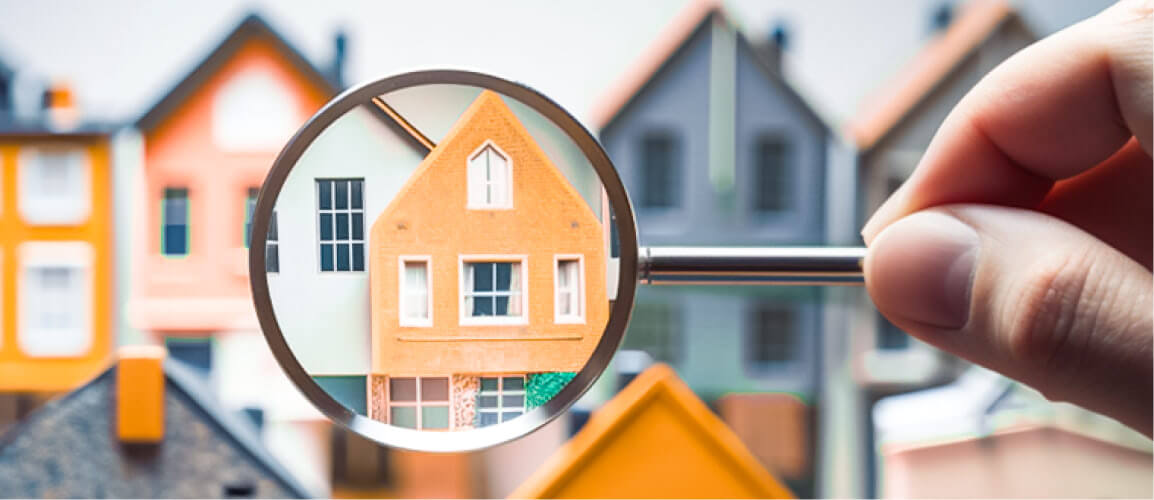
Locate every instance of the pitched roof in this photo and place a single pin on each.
(976, 22)
(635, 444)
(185, 381)
(251, 26)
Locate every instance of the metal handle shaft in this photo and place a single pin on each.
(751, 266)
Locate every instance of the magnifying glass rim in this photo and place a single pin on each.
(473, 439)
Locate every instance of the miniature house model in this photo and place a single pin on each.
(486, 277)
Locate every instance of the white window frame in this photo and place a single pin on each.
(75, 255)
(333, 211)
(472, 204)
(579, 318)
(66, 209)
(466, 320)
(402, 293)
(417, 403)
(501, 392)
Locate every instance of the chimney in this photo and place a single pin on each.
(941, 18)
(777, 44)
(340, 53)
(59, 105)
(140, 394)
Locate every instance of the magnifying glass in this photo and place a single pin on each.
(450, 260)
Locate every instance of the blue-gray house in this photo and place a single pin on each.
(716, 148)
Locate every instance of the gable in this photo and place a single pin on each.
(654, 439)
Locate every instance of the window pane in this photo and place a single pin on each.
(343, 257)
(488, 384)
(341, 197)
(487, 402)
(359, 257)
(773, 334)
(434, 389)
(514, 383)
(326, 257)
(510, 415)
(403, 416)
(358, 226)
(655, 329)
(771, 172)
(488, 419)
(504, 271)
(342, 224)
(272, 229)
(357, 186)
(660, 171)
(326, 227)
(175, 239)
(516, 401)
(501, 307)
(482, 276)
(434, 417)
(403, 389)
(271, 258)
(325, 194)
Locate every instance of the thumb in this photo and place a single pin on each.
(1025, 294)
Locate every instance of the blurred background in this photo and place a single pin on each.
(133, 138)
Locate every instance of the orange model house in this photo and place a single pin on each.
(56, 251)
(487, 280)
(655, 439)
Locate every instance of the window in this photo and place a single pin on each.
(55, 188)
(660, 172)
(656, 329)
(254, 111)
(272, 247)
(771, 179)
(341, 213)
(493, 293)
(772, 335)
(174, 222)
(889, 336)
(415, 300)
(419, 402)
(500, 399)
(570, 300)
(195, 351)
(490, 179)
(249, 206)
(54, 314)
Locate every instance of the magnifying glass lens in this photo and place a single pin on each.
(439, 259)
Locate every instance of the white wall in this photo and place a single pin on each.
(325, 316)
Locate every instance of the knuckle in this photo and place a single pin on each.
(1046, 319)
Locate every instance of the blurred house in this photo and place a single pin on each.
(207, 145)
(654, 439)
(482, 308)
(56, 250)
(146, 427)
(986, 436)
(717, 148)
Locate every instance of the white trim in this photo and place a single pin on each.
(578, 319)
(523, 319)
(68, 208)
(508, 205)
(76, 256)
(402, 320)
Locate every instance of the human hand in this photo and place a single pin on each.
(1022, 241)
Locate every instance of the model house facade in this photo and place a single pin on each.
(56, 251)
(487, 280)
(702, 170)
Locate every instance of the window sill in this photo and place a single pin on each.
(475, 338)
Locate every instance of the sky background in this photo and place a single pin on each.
(122, 55)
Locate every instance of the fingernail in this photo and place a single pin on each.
(882, 216)
(921, 268)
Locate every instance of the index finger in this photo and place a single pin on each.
(1053, 110)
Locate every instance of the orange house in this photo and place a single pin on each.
(208, 144)
(487, 280)
(56, 323)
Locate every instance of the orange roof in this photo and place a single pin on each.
(671, 38)
(655, 439)
(974, 24)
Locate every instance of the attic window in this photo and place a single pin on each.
(241, 489)
(490, 179)
(254, 111)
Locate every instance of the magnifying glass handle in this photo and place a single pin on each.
(751, 266)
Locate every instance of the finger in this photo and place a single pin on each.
(1024, 294)
(1051, 111)
(1113, 202)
